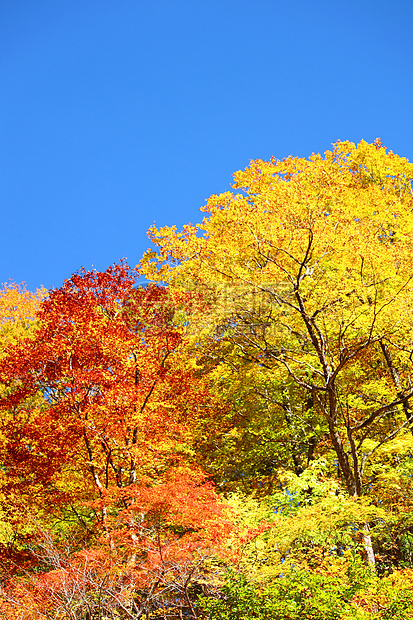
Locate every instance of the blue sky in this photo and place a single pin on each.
(118, 114)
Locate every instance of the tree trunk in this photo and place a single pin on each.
(368, 546)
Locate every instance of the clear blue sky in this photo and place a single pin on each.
(115, 114)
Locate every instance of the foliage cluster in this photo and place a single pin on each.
(233, 440)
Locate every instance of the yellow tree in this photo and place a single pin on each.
(17, 312)
(309, 269)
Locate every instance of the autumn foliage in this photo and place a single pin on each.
(100, 411)
(233, 439)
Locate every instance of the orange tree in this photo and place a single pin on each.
(309, 269)
(99, 409)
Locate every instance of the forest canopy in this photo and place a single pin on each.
(234, 439)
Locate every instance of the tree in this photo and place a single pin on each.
(99, 409)
(314, 283)
(18, 308)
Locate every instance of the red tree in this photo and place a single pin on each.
(99, 410)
